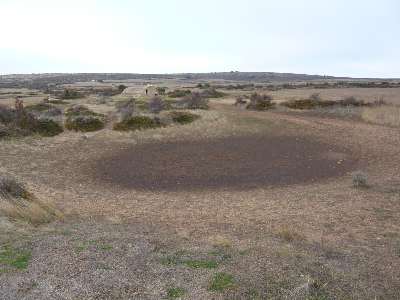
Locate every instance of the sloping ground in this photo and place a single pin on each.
(323, 240)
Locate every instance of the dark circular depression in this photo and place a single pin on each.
(247, 162)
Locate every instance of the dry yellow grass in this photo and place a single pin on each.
(384, 115)
(33, 210)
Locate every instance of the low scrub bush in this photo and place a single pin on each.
(179, 93)
(314, 96)
(156, 105)
(240, 102)
(84, 123)
(311, 103)
(260, 102)
(182, 117)
(48, 127)
(212, 93)
(359, 179)
(16, 202)
(138, 123)
(194, 101)
(70, 94)
(20, 121)
(80, 118)
(40, 106)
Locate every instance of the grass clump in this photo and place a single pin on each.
(289, 235)
(222, 281)
(382, 115)
(17, 203)
(138, 123)
(359, 179)
(175, 292)
(182, 117)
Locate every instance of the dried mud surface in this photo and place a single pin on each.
(244, 162)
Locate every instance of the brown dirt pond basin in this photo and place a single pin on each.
(243, 162)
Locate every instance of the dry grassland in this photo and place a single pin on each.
(323, 239)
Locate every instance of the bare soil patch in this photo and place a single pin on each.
(243, 162)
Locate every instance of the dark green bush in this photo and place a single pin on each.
(84, 123)
(48, 127)
(179, 93)
(182, 117)
(70, 94)
(310, 103)
(39, 106)
(138, 123)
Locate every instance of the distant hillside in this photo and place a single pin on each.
(43, 81)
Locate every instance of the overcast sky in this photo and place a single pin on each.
(355, 38)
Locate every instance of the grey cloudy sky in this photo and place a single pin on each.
(325, 37)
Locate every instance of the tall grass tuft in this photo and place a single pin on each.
(17, 203)
(359, 179)
(382, 115)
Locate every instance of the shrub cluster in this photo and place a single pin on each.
(212, 93)
(80, 118)
(310, 103)
(182, 117)
(193, 101)
(179, 93)
(156, 105)
(240, 102)
(70, 94)
(260, 102)
(21, 121)
(138, 123)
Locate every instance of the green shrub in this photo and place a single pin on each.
(84, 123)
(48, 127)
(179, 93)
(70, 94)
(182, 117)
(312, 103)
(39, 106)
(138, 123)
